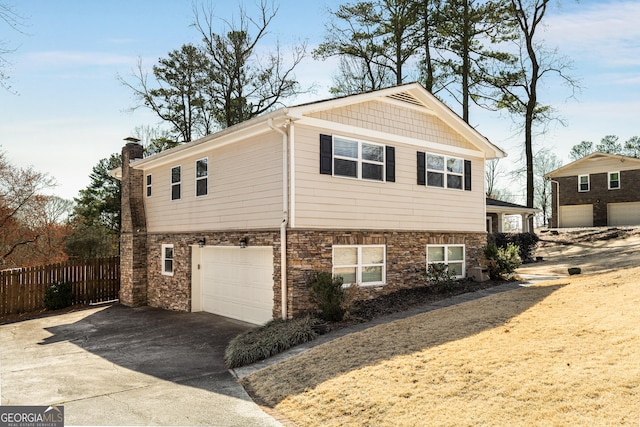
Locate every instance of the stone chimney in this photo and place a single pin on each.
(133, 229)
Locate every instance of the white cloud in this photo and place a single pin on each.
(66, 58)
(607, 31)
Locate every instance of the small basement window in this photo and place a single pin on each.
(360, 264)
(167, 260)
(451, 255)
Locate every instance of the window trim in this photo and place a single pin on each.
(446, 256)
(359, 160)
(580, 190)
(445, 172)
(178, 183)
(201, 178)
(609, 181)
(149, 183)
(165, 271)
(359, 265)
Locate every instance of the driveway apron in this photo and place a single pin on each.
(115, 365)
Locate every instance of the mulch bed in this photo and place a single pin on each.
(406, 299)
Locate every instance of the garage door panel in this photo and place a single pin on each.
(238, 282)
(576, 216)
(627, 213)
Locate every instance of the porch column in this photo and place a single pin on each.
(500, 222)
(525, 222)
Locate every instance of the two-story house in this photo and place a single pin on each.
(597, 190)
(371, 187)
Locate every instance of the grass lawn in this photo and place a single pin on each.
(562, 353)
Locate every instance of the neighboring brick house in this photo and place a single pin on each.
(371, 187)
(598, 190)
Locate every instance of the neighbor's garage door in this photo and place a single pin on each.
(623, 213)
(238, 282)
(576, 216)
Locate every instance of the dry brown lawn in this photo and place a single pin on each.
(562, 353)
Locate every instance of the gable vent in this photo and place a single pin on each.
(406, 97)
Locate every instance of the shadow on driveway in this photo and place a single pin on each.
(173, 346)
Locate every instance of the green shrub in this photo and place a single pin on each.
(502, 262)
(329, 295)
(57, 296)
(439, 276)
(275, 337)
(526, 243)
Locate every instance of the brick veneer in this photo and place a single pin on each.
(598, 195)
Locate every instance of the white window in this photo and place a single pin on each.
(202, 177)
(614, 180)
(167, 260)
(583, 183)
(176, 181)
(444, 171)
(149, 185)
(450, 255)
(357, 159)
(363, 265)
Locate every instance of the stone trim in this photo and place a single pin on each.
(308, 251)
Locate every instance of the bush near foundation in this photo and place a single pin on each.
(265, 341)
(526, 243)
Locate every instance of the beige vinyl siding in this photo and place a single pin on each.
(389, 118)
(599, 165)
(244, 190)
(342, 203)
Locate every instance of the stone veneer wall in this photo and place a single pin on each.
(133, 267)
(311, 250)
(308, 251)
(174, 292)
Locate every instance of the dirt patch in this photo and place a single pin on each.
(594, 250)
(559, 353)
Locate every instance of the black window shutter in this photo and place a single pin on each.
(391, 164)
(326, 152)
(467, 175)
(421, 169)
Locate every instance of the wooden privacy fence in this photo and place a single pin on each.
(95, 280)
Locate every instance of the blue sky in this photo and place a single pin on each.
(70, 110)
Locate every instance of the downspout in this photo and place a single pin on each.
(285, 216)
(557, 202)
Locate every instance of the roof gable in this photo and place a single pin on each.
(597, 162)
(411, 96)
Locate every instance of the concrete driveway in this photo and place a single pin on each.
(115, 365)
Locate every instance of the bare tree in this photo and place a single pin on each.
(519, 88)
(493, 173)
(245, 84)
(380, 37)
(22, 209)
(9, 18)
(545, 161)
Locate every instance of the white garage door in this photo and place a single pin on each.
(576, 216)
(238, 282)
(623, 213)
